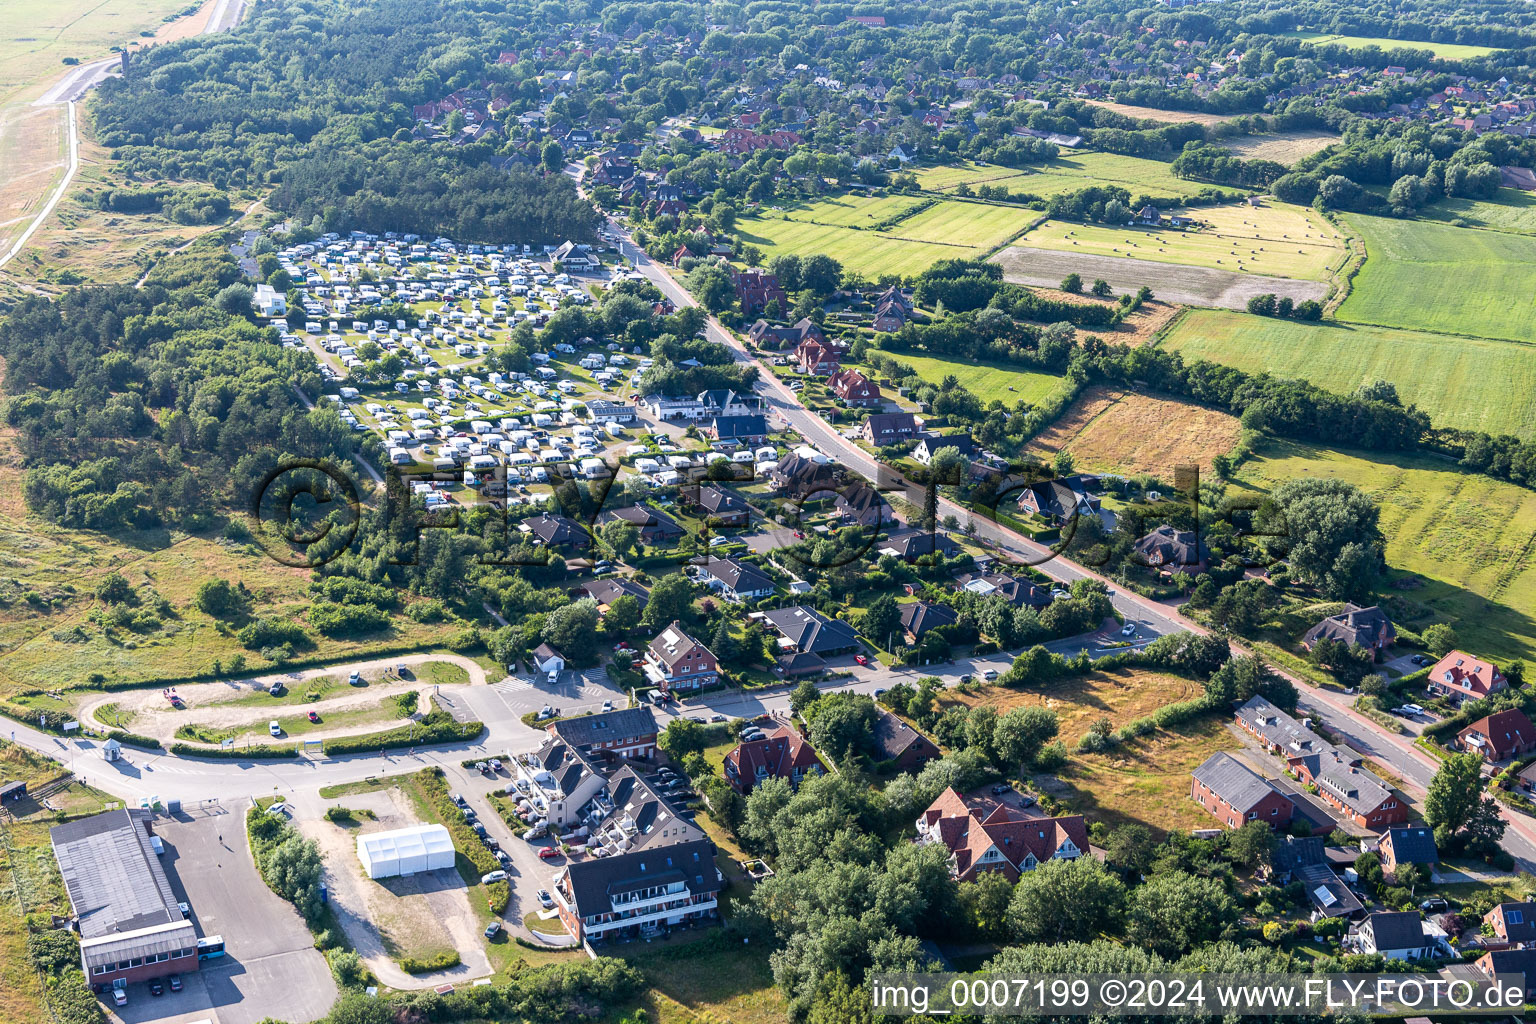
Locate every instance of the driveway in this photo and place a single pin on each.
(272, 968)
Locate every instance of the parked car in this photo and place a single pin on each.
(120, 996)
(545, 899)
(186, 911)
(607, 705)
(274, 728)
(989, 675)
(314, 716)
(482, 767)
(548, 853)
(1419, 659)
(457, 798)
(175, 982)
(861, 659)
(1129, 630)
(493, 876)
(495, 764)
(1434, 905)
(156, 987)
(493, 929)
(717, 718)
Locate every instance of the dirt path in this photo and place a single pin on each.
(209, 704)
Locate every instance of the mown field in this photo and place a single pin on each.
(984, 380)
(1281, 147)
(1452, 51)
(38, 34)
(1276, 239)
(1159, 114)
(1123, 432)
(1441, 278)
(1468, 383)
(1144, 781)
(843, 229)
(1066, 173)
(1511, 210)
(1469, 540)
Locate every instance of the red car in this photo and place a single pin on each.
(861, 659)
(548, 853)
(314, 716)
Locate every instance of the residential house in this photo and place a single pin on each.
(1173, 550)
(800, 665)
(1059, 501)
(918, 618)
(1400, 935)
(800, 476)
(769, 336)
(1354, 626)
(723, 507)
(1500, 736)
(656, 527)
(623, 734)
(805, 629)
(1407, 844)
(755, 288)
(782, 753)
(676, 661)
(608, 589)
(733, 404)
(611, 412)
(818, 358)
(863, 505)
(738, 580)
(888, 428)
(930, 446)
(1510, 962)
(745, 429)
(1462, 677)
(1351, 789)
(1017, 591)
(897, 744)
(985, 836)
(855, 389)
(575, 257)
(890, 317)
(1236, 795)
(1305, 860)
(1513, 922)
(565, 778)
(914, 544)
(557, 531)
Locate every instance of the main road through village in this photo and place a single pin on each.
(500, 704)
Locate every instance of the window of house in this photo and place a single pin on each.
(1514, 917)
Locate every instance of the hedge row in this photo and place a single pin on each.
(133, 739)
(438, 962)
(437, 727)
(260, 750)
(465, 840)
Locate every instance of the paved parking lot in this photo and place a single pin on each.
(271, 968)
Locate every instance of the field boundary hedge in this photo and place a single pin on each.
(437, 727)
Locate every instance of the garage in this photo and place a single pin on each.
(405, 851)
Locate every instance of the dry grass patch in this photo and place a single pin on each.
(1128, 432)
(1121, 696)
(33, 153)
(1282, 147)
(1156, 114)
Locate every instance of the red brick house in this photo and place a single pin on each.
(1513, 922)
(818, 358)
(985, 836)
(1235, 794)
(900, 745)
(676, 661)
(1462, 677)
(854, 389)
(1351, 789)
(781, 754)
(1500, 736)
(756, 288)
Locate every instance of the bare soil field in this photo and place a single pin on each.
(1158, 114)
(1194, 286)
(1126, 432)
(1281, 147)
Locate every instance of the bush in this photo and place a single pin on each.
(53, 951)
(347, 968)
(1051, 757)
(133, 739)
(259, 750)
(438, 727)
(439, 962)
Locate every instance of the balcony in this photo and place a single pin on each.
(594, 928)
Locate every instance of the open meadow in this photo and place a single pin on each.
(1117, 431)
(845, 229)
(36, 36)
(1441, 278)
(1276, 239)
(1068, 172)
(1450, 51)
(983, 379)
(1159, 114)
(1465, 543)
(1145, 780)
(34, 149)
(1448, 377)
(1281, 147)
(1510, 210)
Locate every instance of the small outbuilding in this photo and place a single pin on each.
(405, 851)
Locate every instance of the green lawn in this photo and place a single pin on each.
(957, 223)
(1436, 277)
(984, 380)
(1448, 377)
(1472, 539)
(1451, 51)
(866, 252)
(854, 211)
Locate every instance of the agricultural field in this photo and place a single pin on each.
(1435, 277)
(42, 34)
(983, 379)
(1450, 51)
(1145, 780)
(947, 230)
(1170, 282)
(1461, 546)
(854, 211)
(1159, 114)
(1512, 210)
(1068, 172)
(1278, 240)
(1281, 147)
(1445, 376)
(1116, 431)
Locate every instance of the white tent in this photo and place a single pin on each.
(405, 851)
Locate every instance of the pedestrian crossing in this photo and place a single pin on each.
(512, 685)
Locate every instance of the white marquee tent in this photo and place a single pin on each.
(405, 851)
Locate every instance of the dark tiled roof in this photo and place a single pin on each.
(1237, 784)
(919, 617)
(1397, 929)
(1354, 625)
(608, 727)
(1412, 844)
(811, 631)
